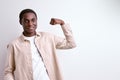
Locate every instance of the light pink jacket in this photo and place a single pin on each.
(19, 60)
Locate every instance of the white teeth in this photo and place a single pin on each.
(31, 28)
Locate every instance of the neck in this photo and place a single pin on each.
(29, 34)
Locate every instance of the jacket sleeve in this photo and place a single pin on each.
(67, 42)
(10, 64)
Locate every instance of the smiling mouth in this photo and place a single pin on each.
(30, 28)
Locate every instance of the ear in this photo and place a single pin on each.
(20, 22)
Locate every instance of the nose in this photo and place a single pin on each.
(30, 23)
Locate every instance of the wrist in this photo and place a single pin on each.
(62, 23)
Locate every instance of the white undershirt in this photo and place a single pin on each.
(39, 70)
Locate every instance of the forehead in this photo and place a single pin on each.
(29, 16)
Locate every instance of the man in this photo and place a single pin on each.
(32, 56)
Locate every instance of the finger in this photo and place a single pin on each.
(51, 22)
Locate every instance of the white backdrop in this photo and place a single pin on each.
(95, 25)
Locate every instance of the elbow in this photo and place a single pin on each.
(73, 45)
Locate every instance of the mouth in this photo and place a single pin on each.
(30, 28)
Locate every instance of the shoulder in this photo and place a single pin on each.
(13, 42)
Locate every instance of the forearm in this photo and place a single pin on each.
(68, 35)
(67, 42)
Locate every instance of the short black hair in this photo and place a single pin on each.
(26, 11)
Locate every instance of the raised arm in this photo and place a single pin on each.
(67, 42)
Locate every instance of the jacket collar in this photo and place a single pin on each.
(22, 37)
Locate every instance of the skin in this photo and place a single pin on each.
(55, 21)
(29, 23)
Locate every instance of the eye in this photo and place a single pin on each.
(26, 21)
(33, 20)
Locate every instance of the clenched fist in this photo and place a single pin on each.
(55, 21)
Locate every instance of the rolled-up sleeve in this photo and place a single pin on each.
(67, 42)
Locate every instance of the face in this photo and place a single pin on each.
(29, 23)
